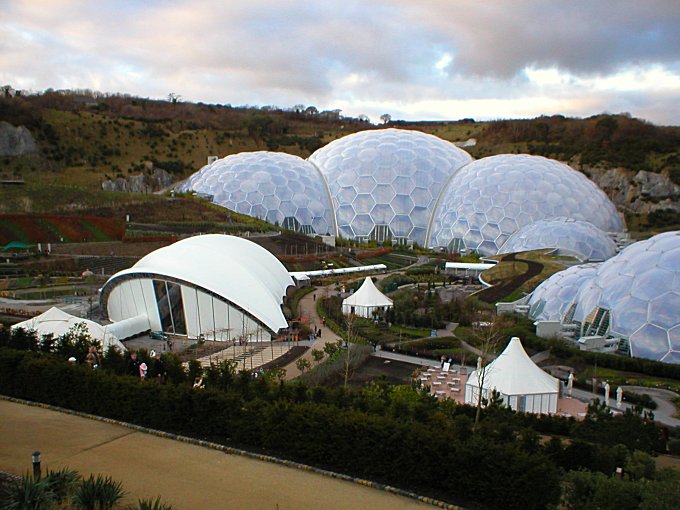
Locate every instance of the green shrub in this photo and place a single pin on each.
(97, 493)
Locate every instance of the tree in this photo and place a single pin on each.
(317, 354)
(174, 98)
(489, 335)
(386, 118)
(303, 364)
(363, 118)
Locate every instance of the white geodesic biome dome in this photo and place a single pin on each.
(551, 300)
(579, 238)
(273, 186)
(385, 183)
(636, 296)
(489, 199)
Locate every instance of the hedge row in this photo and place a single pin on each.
(560, 349)
(432, 456)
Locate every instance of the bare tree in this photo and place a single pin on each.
(347, 359)
(386, 118)
(489, 334)
(174, 98)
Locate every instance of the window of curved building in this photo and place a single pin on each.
(170, 307)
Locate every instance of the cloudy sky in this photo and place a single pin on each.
(413, 59)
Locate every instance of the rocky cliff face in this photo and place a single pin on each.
(637, 191)
(147, 182)
(15, 141)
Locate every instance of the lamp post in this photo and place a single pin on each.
(35, 458)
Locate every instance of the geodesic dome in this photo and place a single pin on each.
(489, 199)
(580, 238)
(551, 300)
(272, 186)
(385, 183)
(637, 295)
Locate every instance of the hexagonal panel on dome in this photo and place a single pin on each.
(526, 188)
(552, 298)
(269, 185)
(399, 168)
(580, 238)
(649, 342)
(637, 287)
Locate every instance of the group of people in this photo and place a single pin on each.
(137, 368)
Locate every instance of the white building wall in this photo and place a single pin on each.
(131, 298)
(545, 403)
(204, 314)
(191, 315)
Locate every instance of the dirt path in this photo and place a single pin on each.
(184, 475)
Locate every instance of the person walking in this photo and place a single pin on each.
(159, 370)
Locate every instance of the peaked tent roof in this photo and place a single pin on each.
(368, 295)
(57, 322)
(514, 373)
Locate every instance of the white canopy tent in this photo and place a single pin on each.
(366, 300)
(57, 323)
(522, 385)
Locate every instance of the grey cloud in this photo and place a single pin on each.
(289, 51)
(501, 38)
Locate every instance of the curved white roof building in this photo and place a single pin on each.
(384, 183)
(221, 287)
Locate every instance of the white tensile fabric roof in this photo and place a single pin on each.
(236, 269)
(513, 373)
(367, 295)
(56, 322)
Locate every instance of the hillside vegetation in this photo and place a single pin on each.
(85, 138)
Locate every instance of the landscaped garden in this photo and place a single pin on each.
(393, 434)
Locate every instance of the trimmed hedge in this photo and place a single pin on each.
(432, 455)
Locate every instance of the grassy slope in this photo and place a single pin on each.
(80, 147)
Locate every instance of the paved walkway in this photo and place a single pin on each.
(307, 308)
(184, 475)
(666, 409)
(250, 357)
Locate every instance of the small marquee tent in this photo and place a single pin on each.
(56, 322)
(522, 384)
(366, 300)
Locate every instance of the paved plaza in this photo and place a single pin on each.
(184, 475)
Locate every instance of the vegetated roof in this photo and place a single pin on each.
(234, 268)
